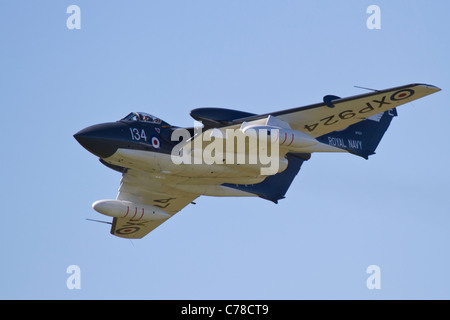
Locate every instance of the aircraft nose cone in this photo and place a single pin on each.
(97, 140)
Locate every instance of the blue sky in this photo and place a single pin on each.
(341, 214)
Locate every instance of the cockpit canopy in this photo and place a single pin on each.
(142, 116)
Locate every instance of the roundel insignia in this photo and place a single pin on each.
(155, 142)
(127, 230)
(402, 94)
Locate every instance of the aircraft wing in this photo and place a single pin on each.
(336, 113)
(142, 187)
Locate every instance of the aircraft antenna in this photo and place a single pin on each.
(99, 221)
(370, 89)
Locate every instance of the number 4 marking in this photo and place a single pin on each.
(143, 135)
(312, 127)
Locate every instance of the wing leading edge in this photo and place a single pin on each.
(140, 187)
(322, 118)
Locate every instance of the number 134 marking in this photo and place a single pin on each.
(135, 135)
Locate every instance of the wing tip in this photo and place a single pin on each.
(428, 86)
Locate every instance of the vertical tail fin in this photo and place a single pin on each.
(361, 138)
(274, 187)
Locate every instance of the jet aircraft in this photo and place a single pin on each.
(165, 168)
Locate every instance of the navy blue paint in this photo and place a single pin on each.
(114, 167)
(104, 139)
(328, 100)
(274, 187)
(211, 117)
(100, 139)
(368, 132)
